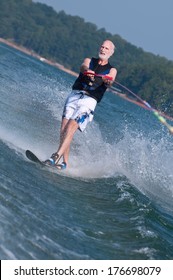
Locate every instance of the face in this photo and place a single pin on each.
(106, 50)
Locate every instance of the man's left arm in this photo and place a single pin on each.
(110, 78)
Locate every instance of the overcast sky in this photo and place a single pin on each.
(144, 23)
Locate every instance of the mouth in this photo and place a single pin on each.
(102, 55)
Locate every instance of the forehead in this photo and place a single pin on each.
(106, 45)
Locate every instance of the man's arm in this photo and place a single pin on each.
(112, 74)
(85, 65)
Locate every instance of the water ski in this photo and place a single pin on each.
(31, 156)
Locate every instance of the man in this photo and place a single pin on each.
(96, 74)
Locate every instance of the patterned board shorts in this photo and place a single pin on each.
(79, 107)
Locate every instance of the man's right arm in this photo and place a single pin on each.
(85, 65)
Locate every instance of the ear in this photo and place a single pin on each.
(112, 52)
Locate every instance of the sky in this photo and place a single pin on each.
(144, 23)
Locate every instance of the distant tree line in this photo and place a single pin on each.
(68, 39)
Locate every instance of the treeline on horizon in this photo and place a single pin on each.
(69, 39)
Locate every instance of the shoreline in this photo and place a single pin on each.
(37, 56)
(61, 67)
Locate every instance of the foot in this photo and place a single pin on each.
(53, 160)
(61, 166)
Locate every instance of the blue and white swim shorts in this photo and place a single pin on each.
(79, 107)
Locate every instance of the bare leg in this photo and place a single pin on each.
(68, 128)
(63, 127)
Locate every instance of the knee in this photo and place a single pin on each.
(72, 125)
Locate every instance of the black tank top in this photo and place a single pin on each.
(96, 88)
